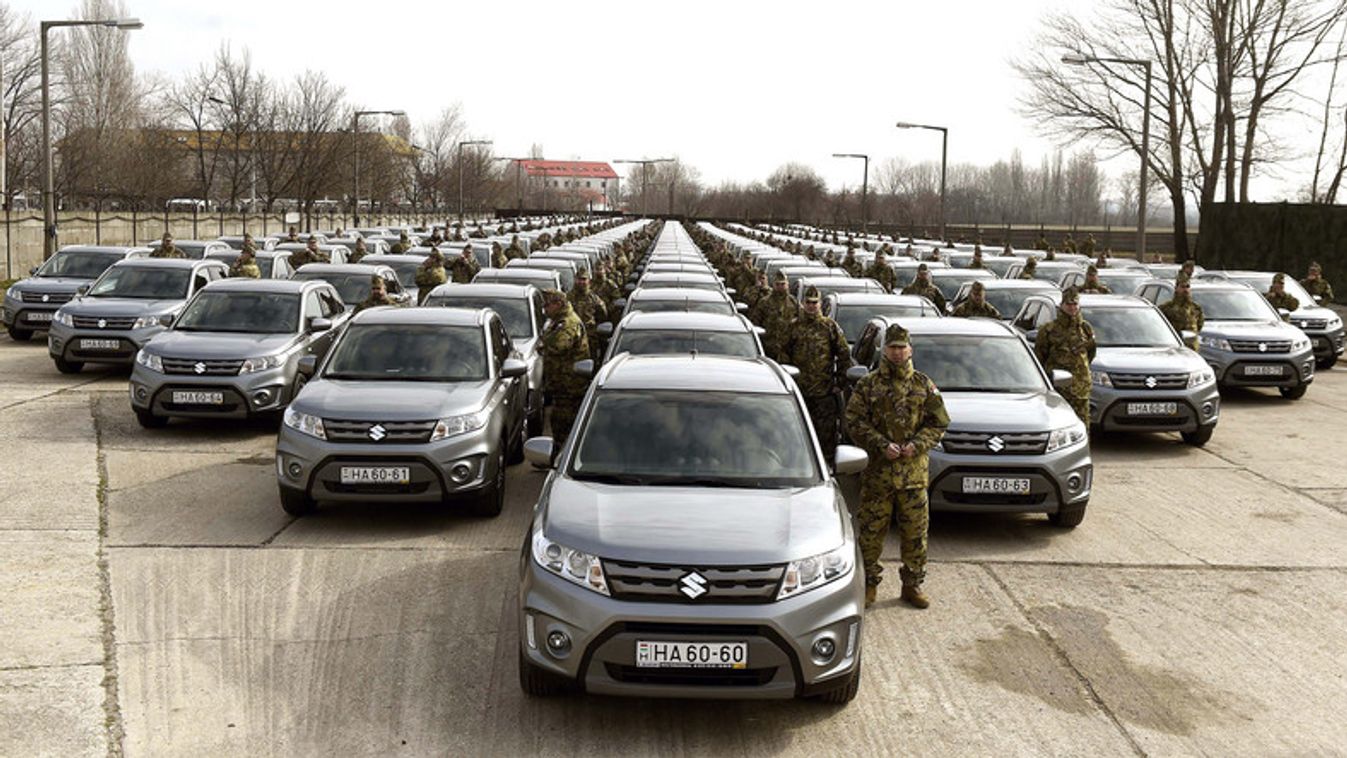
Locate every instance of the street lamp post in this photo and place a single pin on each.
(48, 181)
(944, 156)
(460, 171)
(1080, 60)
(865, 187)
(355, 168)
(518, 182)
(644, 163)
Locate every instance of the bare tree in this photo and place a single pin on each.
(189, 100)
(20, 106)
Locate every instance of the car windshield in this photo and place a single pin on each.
(1234, 305)
(353, 288)
(409, 353)
(514, 312)
(1263, 283)
(686, 306)
(998, 265)
(684, 283)
(853, 318)
(78, 265)
(977, 363)
(949, 285)
(246, 312)
(142, 283)
(1008, 301)
(1121, 282)
(1129, 327)
(190, 249)
(406, 273)
(695, 438)
(650, 341)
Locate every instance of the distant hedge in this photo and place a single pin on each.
(1274, 237)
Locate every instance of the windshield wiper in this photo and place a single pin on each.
(982, 389)
(705, 481)
(630, 479)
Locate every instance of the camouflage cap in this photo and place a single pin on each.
(1091, 270)
(780, 277)
(582, 273)
(376, 281)
(1182, 279)
(923, 268)
(811, 295)
(978, 287)
(895, 335)
(1071, 296)
(553, 297)
(1314, 266)
(1031, 263)
(1279, 278)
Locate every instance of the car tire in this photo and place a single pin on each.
(539, 682)
(1326, 363)
(1068, 517)
(1293, 393)
(148, 420)
(491, 500)
(19, 335)
(297, 502)
(68, 367)
(844, 693)
(1199, 437)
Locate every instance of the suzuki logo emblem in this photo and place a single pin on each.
(693, 585)
(1150, 382)
(200, 368)
(46, 298)
(1262, 347)
(996, 444)
(377, 432)
(102, 323)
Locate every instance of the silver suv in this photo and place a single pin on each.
(1321, 324)
(411, 405)
(235, 350)
(1244, 338)
(31, 304)
(691, 542)
(1013, 445)
(124, 308)
(1144, 378)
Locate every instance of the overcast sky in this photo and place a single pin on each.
(734, 88)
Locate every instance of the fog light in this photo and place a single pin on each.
(851, 638)
(1074, 482)
(528, 629)
(294, 470)
(823, 649)
(261, 397)
(460, 473)
(1208, 409)
(558, 643)
(141, 393)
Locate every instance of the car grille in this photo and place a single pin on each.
(1251, 346)
(53, 298)
(1313, 323)
(667, 584)
(94, 322)
(691, 677)
(389, 432)
(207, 367)
(1149, 381)
(995, 443)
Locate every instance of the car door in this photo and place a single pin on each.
(318, 342)
(516, 389)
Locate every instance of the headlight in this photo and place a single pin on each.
(1333, 323)
(468, 422)
(63, 318)
(572, 565)
(1066, 437)
(13, 292)
(262, 363)
(150, 361)
(156, 320)
(817, 570)
(305, 423)
(1300, 344)
(1100, 379)
(1199, 378)
(1215, 343)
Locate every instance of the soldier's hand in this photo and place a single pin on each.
(909, 450)
(893, 451)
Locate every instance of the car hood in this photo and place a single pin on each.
(1147, 360)
(1251, 330)
(219, 345)
(1313, 311)
(693, 525)
(391, 401)
(52, 284)
(1006, 412)
(119, 306)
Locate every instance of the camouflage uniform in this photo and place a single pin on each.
(976, 263)
(498, 259)
(359, 252)
(1068, 343)
(589, 308)
(1317, 285)
(774, 314)
(1030, 266)
(563, 343)
(1184, 315)
(305, 256)
(246, 266)
(167, 250)
(971, 309)
(403, 245)
(1041, 244)
(895, 404)
(515, 250)
(924, 288)
(1280, 298)
(429, 276)
(377, 294)
(1092, 284)
(882, 273)
(464, 267)
(851, 265)
(1087, 247)
(816, 346)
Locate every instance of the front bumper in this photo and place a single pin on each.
(1235, 369)
(1194, 408)
(67, 342)
(1327, 344)
(35, 316)
(313, 466)
(245, 395)
(603, 633)
(1057, 479)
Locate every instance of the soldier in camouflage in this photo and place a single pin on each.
(310, 254)
(922, 286)
(246, 264)
(1188, 268)
(403, 245)
(1279, 297)
(1315, 284)
(851, 265)
(816, 346)
(605, 287)
(292, 235)
(464, 267)
(1030, 268)
(564, 342)
(896, 415)
(515, 251)
(1068, 243)
(1040, 244)
(882, 272)
(360, 251)
(774, 314)
(1009, 252)
(1067, 343)
(430, 275)
(976, 263)
(498, 259)
(1087, 247)
(166, 248)
(1051, 255)
(589, 308)
(976, 306)
(378, 294)
(1184, 314)
(1092, 284)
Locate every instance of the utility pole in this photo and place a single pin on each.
(944, 158)
(865, 187)
(518, 183)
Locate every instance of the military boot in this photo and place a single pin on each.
(913, 596)
(870, 591)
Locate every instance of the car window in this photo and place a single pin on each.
(199, 280)
(1043, 315)
(392, 284)
(1234, 305)
(141, 283)
(77, 264)
(243, 312)
(512, 311)
(331, 304)
(312, 306)
(976, 363)
(1129, 327)
(649, 342)
(408, 353)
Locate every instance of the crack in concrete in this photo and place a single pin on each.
(385, 548)
(53, 393)
(45, 666)
(270, 539)
(112, 715)
(1303, 492)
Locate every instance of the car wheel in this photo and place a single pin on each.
(19, 335)
(846, 692)
(539, 682)
(491, 501)
(1068, 516)
(68, 367)
(1326, 363)
(297, 502)
(1200, 437)
(148, 420)
(1294, 393)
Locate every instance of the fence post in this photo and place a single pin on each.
(133, 225)
(222, 221)
(9, 258)
(98, 224)
(196, 231)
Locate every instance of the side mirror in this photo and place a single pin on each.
(1318, 299)
(513, 367)
(1285, 314)
(605, 329)
(83, 289)
(856, 373)
(731, 291)
(760, 331)
(850, 460)
(790, 370)
(308, 364)
(32, 271)
(538, 451)
(741, 307)
(1061, 378)
(584, 368)
(1188, 335)
(319, 324)
(167, 319)
(629, 288)
(620, 304)
(1031, 335)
